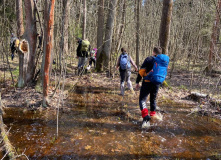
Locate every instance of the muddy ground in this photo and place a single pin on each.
(95, 122)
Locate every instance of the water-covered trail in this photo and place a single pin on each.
(97, 123)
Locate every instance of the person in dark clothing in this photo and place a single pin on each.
(125, 70)
(12, 45)
(147, 88)
(82, 53)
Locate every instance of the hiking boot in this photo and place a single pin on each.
(89, 67)
(156, 116)
(152, 113)
(146, 122)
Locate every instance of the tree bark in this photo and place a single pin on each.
(19, 13)
(31, 36)
(23, 51)
(138, 32)
(214, 37)
(165, 25)
(122, 26)
(48, 49)
(84, 19)
(100, 34)
(109, 33)
(64, 32)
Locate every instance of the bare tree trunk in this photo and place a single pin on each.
(84, 19)
(109, 33)
(100, 34)
(64, 36)
(214, 37)
(23, 51)
(23, 57)
(19, 13)
(48, 42)
(165, 25)
(138, 32)
(122, 27)
(31, 36)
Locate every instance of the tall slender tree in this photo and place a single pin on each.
(214, 36)
(165, 25)
(64, 31)
(137, 32)
(31, 36)
(100, 34)
(109, 33)
(19, 13)
(84, 19)
(28, 48)
(48, 49)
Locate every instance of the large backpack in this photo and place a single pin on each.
(159, 71)
(85, 45)
(125, 61)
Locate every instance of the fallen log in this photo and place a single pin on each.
(195, 96)
(7, 145)
(199, 97)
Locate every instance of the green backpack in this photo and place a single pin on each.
(85, 45)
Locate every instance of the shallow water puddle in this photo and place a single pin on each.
(98, 124)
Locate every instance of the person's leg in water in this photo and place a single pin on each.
(80, 64)
(122, 78)
(90, 64)
(144, 92)
(13, 49)
(153, 96)
(129, 83)
(94, 61)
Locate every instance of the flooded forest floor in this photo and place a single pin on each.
(94, 122)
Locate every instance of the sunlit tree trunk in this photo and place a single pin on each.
(19, 13)
(100, 34)
(64, 32)
(27, 48)
(165, 25)
(138, 32)
(48, 49)
(84, 19)
(22, 56)
(31, 36)
(122, 26)
(109, 33)
(214, 37)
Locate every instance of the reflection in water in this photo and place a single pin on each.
(97, 124)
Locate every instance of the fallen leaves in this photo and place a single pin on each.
(87, 147)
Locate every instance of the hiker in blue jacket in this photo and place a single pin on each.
(153, 71)
(124, 64)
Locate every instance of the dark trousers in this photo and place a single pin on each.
(13, 49)
(92, 60)
(146, 89)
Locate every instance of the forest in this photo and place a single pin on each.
(75, 76)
